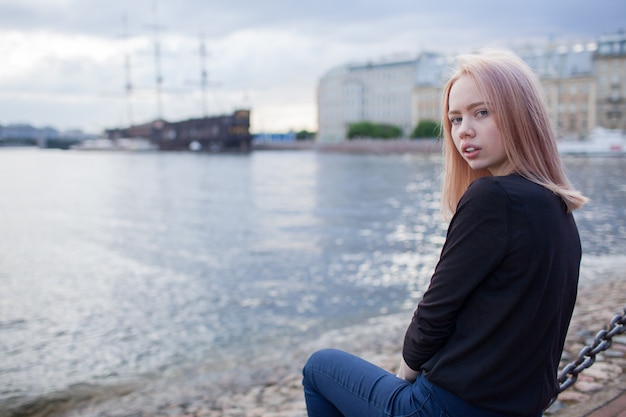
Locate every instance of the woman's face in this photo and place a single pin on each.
(474, 131)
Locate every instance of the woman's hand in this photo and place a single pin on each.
(406, 373)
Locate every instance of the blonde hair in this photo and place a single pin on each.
(517, 104)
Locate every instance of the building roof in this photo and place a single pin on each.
(612, 45)
(430, 69)
(560, 61)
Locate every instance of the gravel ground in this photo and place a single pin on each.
(379, 341)
(275, 390)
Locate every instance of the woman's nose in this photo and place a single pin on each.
(466, 129)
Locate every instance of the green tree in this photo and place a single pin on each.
(360, 129)
(427, 128)
(367, 129)
(304, 135)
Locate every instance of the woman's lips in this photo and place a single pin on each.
(470, 151)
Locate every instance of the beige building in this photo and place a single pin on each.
(429, 80)
(566, 74)
(380, 92)
(584, 85)
(571, 101)
(610, 76)
(426, 103)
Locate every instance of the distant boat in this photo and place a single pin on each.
(601, 142)
(121, 144)
(230, 132)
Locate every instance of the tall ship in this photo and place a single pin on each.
(212, 133)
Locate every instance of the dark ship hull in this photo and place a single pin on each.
(213, 134)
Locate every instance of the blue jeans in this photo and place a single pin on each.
(338, 384)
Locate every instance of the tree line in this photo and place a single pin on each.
(425, 129)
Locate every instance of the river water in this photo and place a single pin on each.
(119, 268)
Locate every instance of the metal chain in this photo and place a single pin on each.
(587, 356)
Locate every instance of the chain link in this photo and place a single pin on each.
(587, 355)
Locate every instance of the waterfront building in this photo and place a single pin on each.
(21, 134)
(378, 92)
(267, 137)
(567, 77)
(610, 70)
(24, 133)
(429, 80)
(584, 85)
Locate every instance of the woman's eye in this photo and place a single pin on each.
(455, 120)
(482, 113)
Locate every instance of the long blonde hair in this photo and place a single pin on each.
(517, 103)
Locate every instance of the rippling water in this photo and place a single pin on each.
(119, 266)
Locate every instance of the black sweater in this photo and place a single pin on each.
(492, 324)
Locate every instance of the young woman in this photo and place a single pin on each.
(487, 337)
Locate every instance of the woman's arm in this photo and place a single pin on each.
(406, 373)
(476, 243)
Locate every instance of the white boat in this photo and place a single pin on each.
(601, 142)
(121, 144)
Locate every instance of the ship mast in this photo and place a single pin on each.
(204, 76)
(128, 86)
(157, 63)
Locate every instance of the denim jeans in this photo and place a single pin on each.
(338, 384)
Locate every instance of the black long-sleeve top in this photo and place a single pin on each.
(492, 324)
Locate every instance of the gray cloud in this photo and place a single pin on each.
(260, 53)
(505, 19)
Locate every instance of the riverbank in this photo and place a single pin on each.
(358, 146)
(279, 394)
(596, 386)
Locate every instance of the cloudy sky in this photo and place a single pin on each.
(66, 62)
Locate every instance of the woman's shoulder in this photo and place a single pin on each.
(492, 184)
(484, 193)
(503, 184)
(512, 188)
